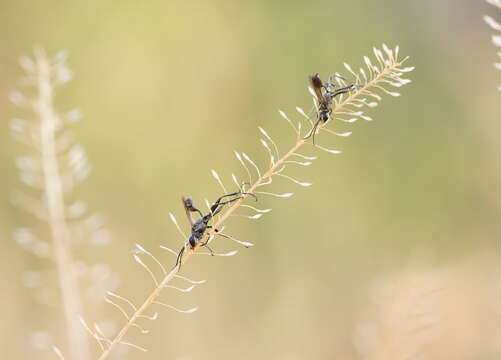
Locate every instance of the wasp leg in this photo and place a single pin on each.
(231, 238)
(218, 205)
(211, 252)
(313, 131)
(342, 90)
(206, 244)
(179, 258)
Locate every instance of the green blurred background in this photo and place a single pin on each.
(169, 89)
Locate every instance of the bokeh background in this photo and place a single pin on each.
(393, 251)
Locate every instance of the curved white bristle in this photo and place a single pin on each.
(185, 290)
(306, 163)
(264, 211)
(352, 120)
(348, 67)
(196, 282)
(235, 180)
(247, 157)
(228, 254)
(331, 151)
(368, 62)
(169, 250)
(300, 183)
(58, 352)
(306, 157)
(242, 162)
(138, 259)
(267, 147)
(302, 113)
(218, 179)
(241, 242)
(143, 331)
(188, 311)
(407, 69)
(284, 116)
(286, 195)
(141, 249)
(174, 220)
(133, 345)
(150, 317)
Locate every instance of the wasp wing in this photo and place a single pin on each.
(317, 85)
(187, 209)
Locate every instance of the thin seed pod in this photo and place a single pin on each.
(284, 116)
(257, 210)
(286, 195)
(150, 317)
(246, 157)
(239, 158)
(267, 147)
(185, 290)
(123, 299)
(140, 262)
(144, 251)
(218, 179)
(122, 311)
(195, 282)
(134, 346)
(58, 352)
(188, 311)
(174, 220)
(168, 249)
(302, 113)
(277, 153)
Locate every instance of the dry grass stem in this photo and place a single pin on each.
(46, 174)
(53, 188)
(373, 81)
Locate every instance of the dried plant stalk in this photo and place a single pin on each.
(53, 189)
(370, 83)
(44, 172)
(388, 71)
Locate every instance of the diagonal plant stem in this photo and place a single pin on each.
(53, 190)
(340, 107)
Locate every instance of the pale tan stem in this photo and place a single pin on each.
(269, 173)
(53, 190)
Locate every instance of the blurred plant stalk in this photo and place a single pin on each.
(53, 188)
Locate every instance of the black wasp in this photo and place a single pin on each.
(325, 98)
(199, 226)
